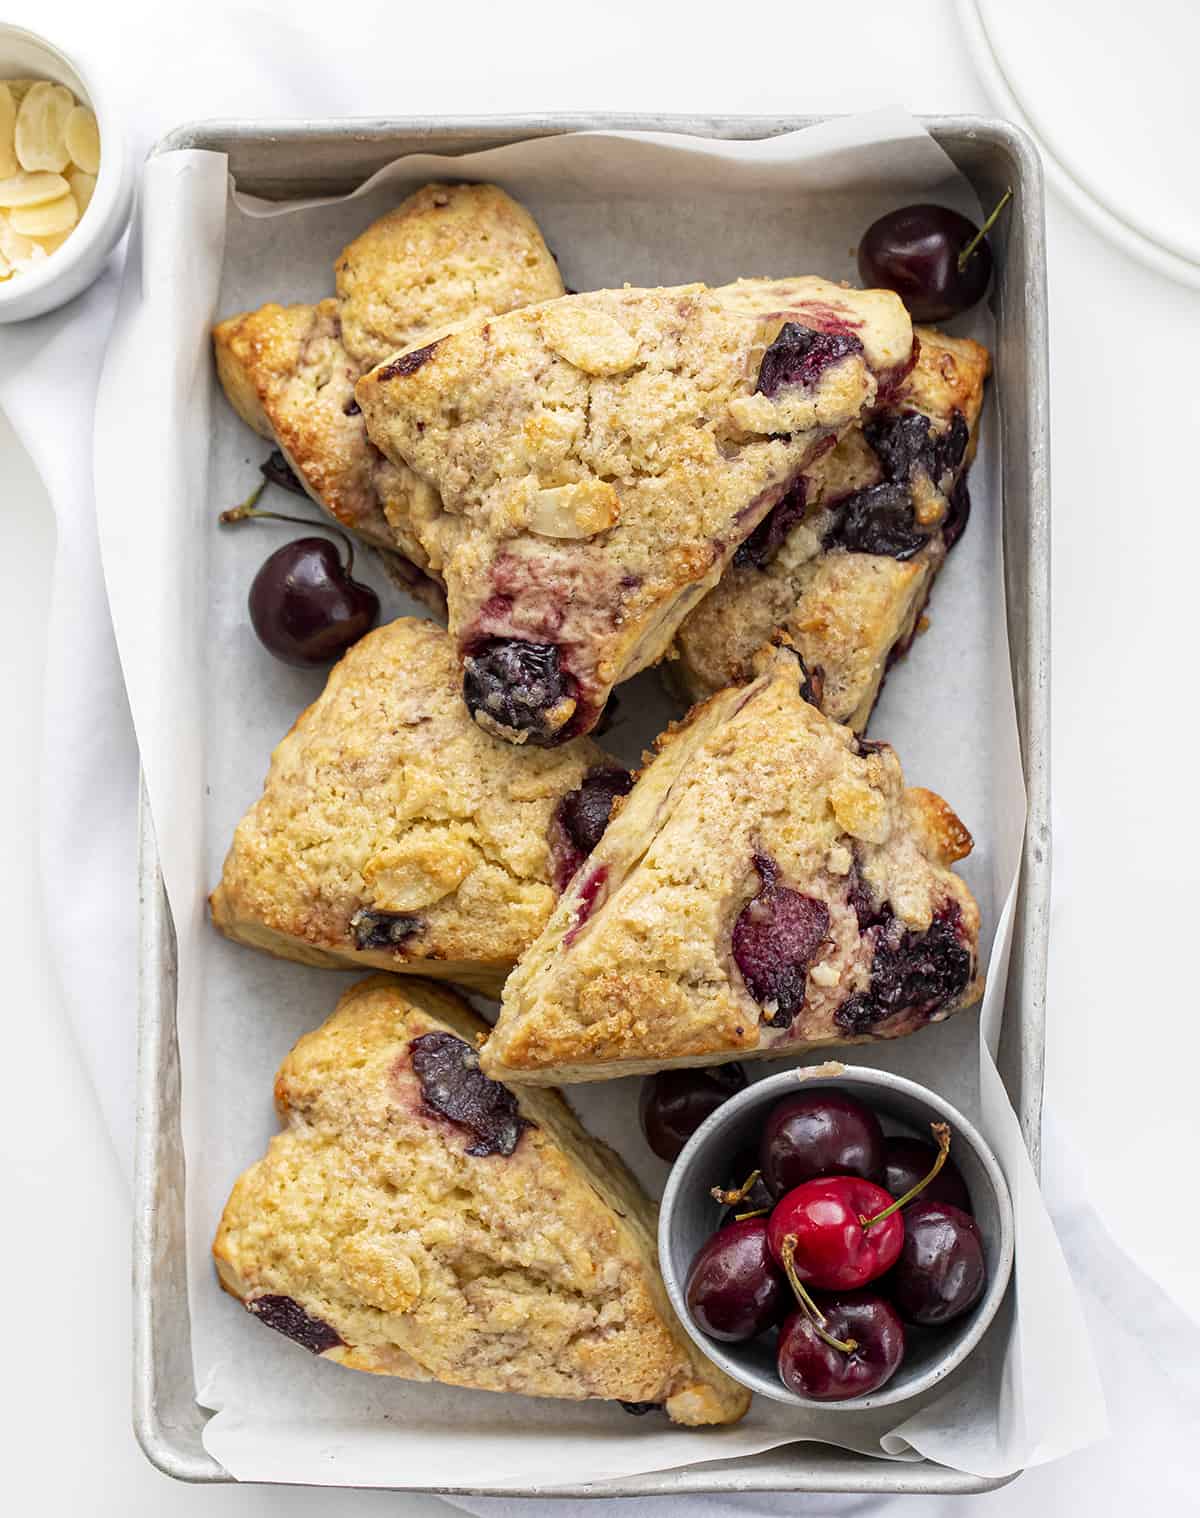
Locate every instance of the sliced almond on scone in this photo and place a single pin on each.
(416, 1219)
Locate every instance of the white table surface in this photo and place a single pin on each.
(1124, 1023)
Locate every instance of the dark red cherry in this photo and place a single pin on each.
(775, 936)
(812, 1367)
(941, 1272)
(833, 1232)
(675, 1102)
(305, 605)
(818, 1133)
(907, 1160)
(734, 1290)
(925, 254)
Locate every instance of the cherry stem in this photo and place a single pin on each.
(941, 1132)
(811, 1311)
(759, 1212)
(730, 1198)
(248, 511)
(966, 253)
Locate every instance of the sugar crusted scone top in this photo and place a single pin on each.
(529, 1272)
(447, 253)
(385, 797)
(636, 967)
(599, 458)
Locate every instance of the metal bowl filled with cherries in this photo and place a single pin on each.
(836, 1236)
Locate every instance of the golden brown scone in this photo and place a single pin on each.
(600, 458)
(288, 376)
(289, 371)
(449, 252)
(415, 1219)
(393, 833)
(851, 613)
(769, 886)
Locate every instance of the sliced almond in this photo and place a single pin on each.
(591, 340)
(22, 189)
(578, 510)
(8, 128)
(83, 187)
(45, 220)
(19, 251)
(861, 810)
(52, 244)
(82, 137)
(41, 127)
(19, 88)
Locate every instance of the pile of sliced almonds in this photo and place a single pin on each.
(49, 159)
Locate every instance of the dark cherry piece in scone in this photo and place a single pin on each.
(416, 1219)
(393, 833)
(845, 563)
(769, 886)
(600, 458)
(447, 252)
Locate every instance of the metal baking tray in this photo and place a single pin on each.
(290, 160)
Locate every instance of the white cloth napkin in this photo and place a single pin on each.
(249, 62)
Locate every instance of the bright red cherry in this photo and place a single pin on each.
(839, 1232)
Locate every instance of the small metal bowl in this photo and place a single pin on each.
(74, 265)
(689, 1215)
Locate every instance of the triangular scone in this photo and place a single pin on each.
(600, 458)
(845, 565)
(446, 252)
(393, 833)
(416, 1219)
(767, 887)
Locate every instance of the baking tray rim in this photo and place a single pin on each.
(158, 1081)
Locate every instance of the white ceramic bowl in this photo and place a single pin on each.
(73, 266)
(688, 1216)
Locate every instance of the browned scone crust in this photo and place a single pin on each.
(288, 376)
(755, 800)
(849, 613)
(450, 252)
(289, 371)
(386, 802)
(371, 1234)
(600, 458)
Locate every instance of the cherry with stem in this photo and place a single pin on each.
(305, 605)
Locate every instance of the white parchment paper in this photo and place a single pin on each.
(209, 704)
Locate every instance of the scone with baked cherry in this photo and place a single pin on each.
(416, 1219)
(392, 832)
(447, 252)
(845, 563)
(598, 460)
(770, 885)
